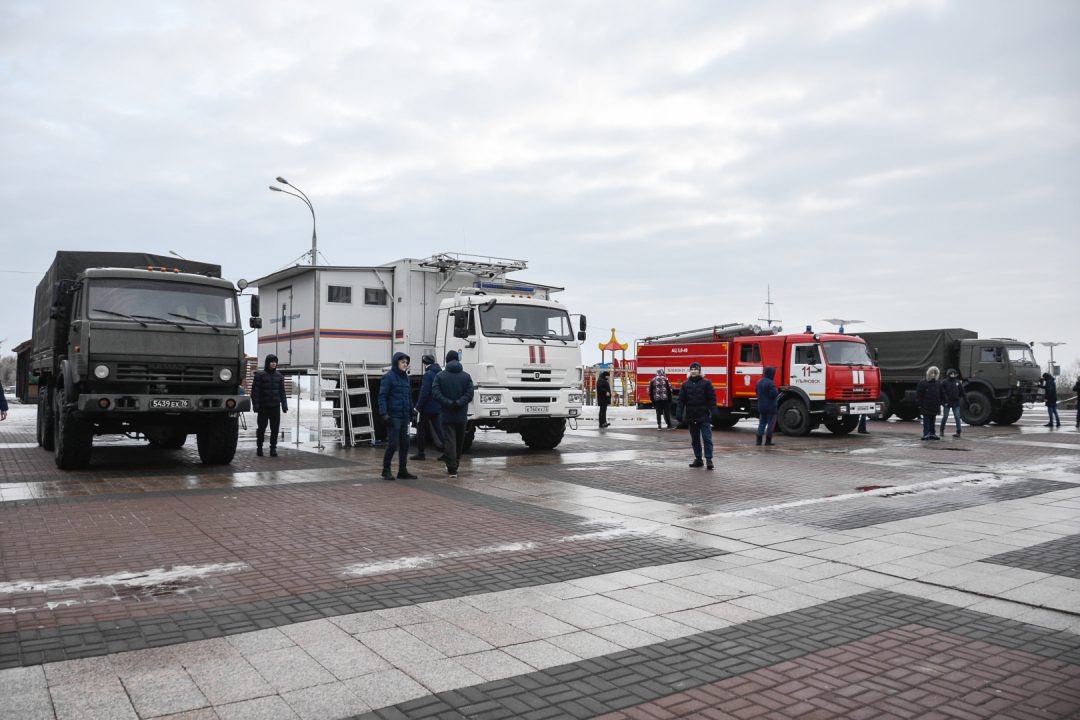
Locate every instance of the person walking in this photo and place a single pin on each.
(1076, 389)
(953, 391)
(660, 396)
(395, 411)
(429, 409)
(268, 401)
(929, 395)
(1051, 399)
(453, 390)
(767, 393)
(697, 408)
(603, 397)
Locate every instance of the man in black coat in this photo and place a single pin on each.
(930, 398)
(268, 401)
(1051, 399)
(953, 390)
(697, 408)
(453, 390)
(603, 397)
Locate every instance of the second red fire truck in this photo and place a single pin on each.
(824, 378)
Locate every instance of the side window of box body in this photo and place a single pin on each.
(375, 296)
(339, 294)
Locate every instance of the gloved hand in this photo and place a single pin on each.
(385, 419)
(455, 405)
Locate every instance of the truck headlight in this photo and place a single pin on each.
(490, 399)
(101, 372)
(574, 398)
(225, 374)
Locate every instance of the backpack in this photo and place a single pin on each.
(660, 388)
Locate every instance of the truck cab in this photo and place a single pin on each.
(524, 358)
(1000, 375)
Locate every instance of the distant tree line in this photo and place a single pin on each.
(7, 370)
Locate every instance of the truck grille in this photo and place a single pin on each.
(131, 372)
(855, 394)
(534, 375)
(535, 399)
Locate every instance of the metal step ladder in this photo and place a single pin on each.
(359, 413)
(335, 431)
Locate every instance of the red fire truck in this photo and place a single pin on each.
(824, 379)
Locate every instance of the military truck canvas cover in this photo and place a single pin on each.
(905, 356)
(68, 264)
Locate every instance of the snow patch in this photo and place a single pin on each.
(145, 579)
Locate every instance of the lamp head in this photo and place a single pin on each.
(275, 189)
(282, 180)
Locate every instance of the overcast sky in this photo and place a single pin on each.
(910, 164)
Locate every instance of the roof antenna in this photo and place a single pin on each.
(768, 308)
(464, 241)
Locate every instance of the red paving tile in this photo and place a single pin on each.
(910, 672)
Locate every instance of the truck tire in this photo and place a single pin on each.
(74, 438)
(886, 408)
(543, 434)
(724, 423)
(430, 437)
(907, 412)
(842, 425)
(217, 440)
(794, 418)
(1008, 415)
(978, 409)
(470, 435)
(46, 429)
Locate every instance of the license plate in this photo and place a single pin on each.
(536, 409)
(863, 408)
(163, 404)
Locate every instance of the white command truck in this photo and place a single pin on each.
(520, 346)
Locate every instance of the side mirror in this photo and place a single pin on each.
(581, 336)
(461, 323)
(255, 322)
(56, 312)
(255, 308)
(876, 357)
(582, 325)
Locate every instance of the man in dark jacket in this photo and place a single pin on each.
(603, 397)
(453, 390)
(660, 396)
(953, 391)
(697, 408)
(1051, 399)
(395, 411)
(428, 408)
(3, 405)
(268, 401)
(767, 393)
(929, 396)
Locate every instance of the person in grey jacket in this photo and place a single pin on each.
(453, 389)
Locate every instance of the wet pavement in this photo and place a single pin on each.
(867, 576)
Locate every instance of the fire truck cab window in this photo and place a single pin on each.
(807, 355)
(750, 354)
(845, 352)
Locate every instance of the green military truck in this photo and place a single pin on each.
(137, 344)
(999, 374)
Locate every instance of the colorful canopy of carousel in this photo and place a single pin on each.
(614, 345)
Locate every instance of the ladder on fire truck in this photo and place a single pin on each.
(354, 422)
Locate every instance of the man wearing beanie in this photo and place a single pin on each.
(395, 411)
(453, 390)
(268, 400)
(697, 408)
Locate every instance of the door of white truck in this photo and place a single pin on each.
(283, 346)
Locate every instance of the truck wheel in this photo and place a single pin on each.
(907, 412)
(978, 410)
(886, 408)
(841, 425)
(46, 430)
(470, 435)
(1008, 415)
(724, 423)
(543, 434)
(74, 438)
(794, 418)
(431, 438)
(217, 440)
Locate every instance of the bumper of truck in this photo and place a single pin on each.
(516, 404)
(155, 404)
(838, 408)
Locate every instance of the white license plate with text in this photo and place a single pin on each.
(536, 408)
(163, 404)
(863, 408)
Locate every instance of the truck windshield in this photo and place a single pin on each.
(841, 352)
(525, 321)
(1021, 354)
(171, 302)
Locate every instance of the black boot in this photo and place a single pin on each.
(708, 464)
(258, 451)
(404, 474)
(441, 458)
(758, 439)
(273, 451)
(768, 440)
(697, 463)
(387, 473)
(418, 456)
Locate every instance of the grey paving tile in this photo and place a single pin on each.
(384, 688)
(100, 701)
(617, 611)
(584, 644)
(448, 639)
(575, 615)
(535, 622)
(290, 669)
(441, 675)
(229, 680)
(541, 654)
(358, 623)
(662, 627)
(266, 708)
(82, 671)
(494, 665)
(30, 704)
(313, 632)
(493, 631)
(200, 714)
(167, 691)
(22, 680)
(200, 651)
(408, 615)
(347, 659)
(399, 648)
(325, 702)
(626, 636)
(260, 641)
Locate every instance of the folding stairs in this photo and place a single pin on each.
(353, 422)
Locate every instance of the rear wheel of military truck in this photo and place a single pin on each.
(46, 432)
(74, 437)
(978, 410)
(1008, 415)
(217, 440)
(543, 434)
(907, 412)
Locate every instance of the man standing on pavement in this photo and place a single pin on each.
(767, 393)
(268, 400)
(930, 397)
(1051, 399)
(3, 405)
(453, 390)
(660, 396)
(1076, 389)
(428, 408)
(395, 411)
(697, 408)
(953, 391)
(603, 397)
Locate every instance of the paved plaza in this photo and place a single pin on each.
(868, 576)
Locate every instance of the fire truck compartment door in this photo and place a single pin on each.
(807, 370)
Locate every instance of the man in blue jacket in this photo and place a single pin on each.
(766, 405)
(395, 411)
(268, 401)
(428, 408)
(1051, 399)
(697, 408)
(453, 390)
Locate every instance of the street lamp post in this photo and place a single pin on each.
(315, 314)
(1051, 345)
